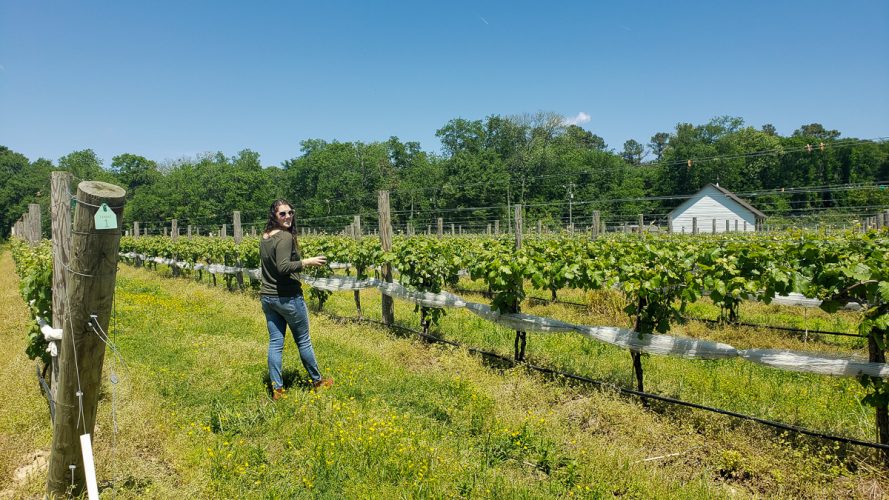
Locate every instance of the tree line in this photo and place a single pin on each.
(554, 169)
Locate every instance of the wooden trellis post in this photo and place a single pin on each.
(236, 223)
(91, 277)
(386, 245)
(239, 236)
(356, 233)
(520, 336)
(60, 213)
(34, 218)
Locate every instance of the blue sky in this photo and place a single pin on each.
(172, 79)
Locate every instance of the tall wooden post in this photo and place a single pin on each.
(520, 336)
(136, 229)
(174, 235)
(694, 225)
(91, 277)
(356, 222)
(238, 234)
(518, 226)
(597, 223)
(440, 227)
(669, 223)
(497, 227)
(60, 213)
(188, 233)
(386, 245)
(356, 233)
(222, 231)
(714, 226)
(641, 222)
(34, 218)
(236, 222)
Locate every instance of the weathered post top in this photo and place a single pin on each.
(97, 190)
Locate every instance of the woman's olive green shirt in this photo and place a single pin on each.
(280, 263)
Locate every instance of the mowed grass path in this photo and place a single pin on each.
(405, 419)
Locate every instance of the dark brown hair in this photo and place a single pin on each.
(273, 224)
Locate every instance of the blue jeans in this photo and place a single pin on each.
(279, 313)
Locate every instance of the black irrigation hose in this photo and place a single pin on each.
(783, 328)
(640, 394)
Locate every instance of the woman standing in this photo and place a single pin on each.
(282, 297)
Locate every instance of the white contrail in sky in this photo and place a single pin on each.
(484, 20)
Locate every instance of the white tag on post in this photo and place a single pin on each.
(89, 467)
(105, 218)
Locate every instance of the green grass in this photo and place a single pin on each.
(410, 419)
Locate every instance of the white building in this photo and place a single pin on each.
(715, 210)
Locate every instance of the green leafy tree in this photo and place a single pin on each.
(816, 131)
(84, 165)
(633, 152)
(135, 171)
(583, 139)
(659, 143)
(22, 183)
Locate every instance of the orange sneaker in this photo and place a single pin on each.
(324, 383)
(279, 393)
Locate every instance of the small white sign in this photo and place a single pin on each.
(105, 218)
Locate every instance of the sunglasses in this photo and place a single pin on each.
(285, 214)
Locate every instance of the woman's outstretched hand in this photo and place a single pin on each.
(317, 261)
